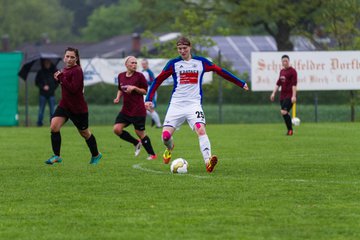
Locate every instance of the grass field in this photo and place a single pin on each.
(266, 185)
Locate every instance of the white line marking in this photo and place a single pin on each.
(317, 181)
(139, 167)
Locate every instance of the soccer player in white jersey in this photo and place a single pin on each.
(187, 71)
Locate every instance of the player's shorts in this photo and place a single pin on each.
(178, 113)
(138, 122)
(286, 104)
(80, 120)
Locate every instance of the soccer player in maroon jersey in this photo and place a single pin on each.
(287, 81)
(72, 105)
(132, 86)
(187, 71)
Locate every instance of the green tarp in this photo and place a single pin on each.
(9, 88)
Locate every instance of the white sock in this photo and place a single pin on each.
(148, 113)
(169, 144)
(205, 147)
(156, 118)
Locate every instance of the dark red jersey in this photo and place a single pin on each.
(72, 90)
(287, 79)
(133, 103)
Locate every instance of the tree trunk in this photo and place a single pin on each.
(282, 37)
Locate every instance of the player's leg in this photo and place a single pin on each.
(197, 122)
(139, 125)
(154, 115)
(52, 106)
(58, 120)
(121, 122)
(286, 106)
(168, 141)
(81, 121)
(175, 116)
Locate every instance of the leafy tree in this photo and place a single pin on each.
(279, 18)
(82, 10)
(340, 20)
(113, 20)
(27, 21)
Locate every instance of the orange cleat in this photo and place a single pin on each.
(211, 164)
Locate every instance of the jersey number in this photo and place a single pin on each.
(199, 114)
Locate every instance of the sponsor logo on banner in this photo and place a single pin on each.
(316, 70)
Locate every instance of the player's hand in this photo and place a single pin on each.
(272, 97)
(56, 75)
(46, 88)
(246, 87)
(293, 99)
(116, 100)
(129, 88)
(148, 105)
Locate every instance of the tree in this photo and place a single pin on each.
(27, 21)
(82, 10)
(116, 19)
(279, 18)
(197, 27)
(341, 20)
(126, 17)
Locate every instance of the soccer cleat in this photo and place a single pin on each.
(211, 164)
(290, 133)
(167, 156)
(152, 157)
(96, 159)
(54, 159)
(138, 148)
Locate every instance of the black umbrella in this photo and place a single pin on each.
(33, 63)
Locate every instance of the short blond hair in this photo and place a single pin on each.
(127, 59)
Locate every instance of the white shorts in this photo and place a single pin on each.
(178, 113)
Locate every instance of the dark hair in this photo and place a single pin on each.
(183, 41)
(76, 51)
(285, 56)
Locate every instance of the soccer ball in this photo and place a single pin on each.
(179, 165)
(295, 121)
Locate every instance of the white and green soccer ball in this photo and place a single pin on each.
(295, 121)
(179, 165)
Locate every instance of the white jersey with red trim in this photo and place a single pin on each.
(188, 78)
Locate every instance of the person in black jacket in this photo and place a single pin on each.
(47, 86)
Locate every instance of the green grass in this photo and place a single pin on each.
(266, 185)
(267, 113)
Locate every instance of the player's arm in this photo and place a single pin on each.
(272, 96)
(293, 98)
(75, 85)
(209, 66)
(138, 90)
(165, 73)
(140, 87)
(118, 96)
